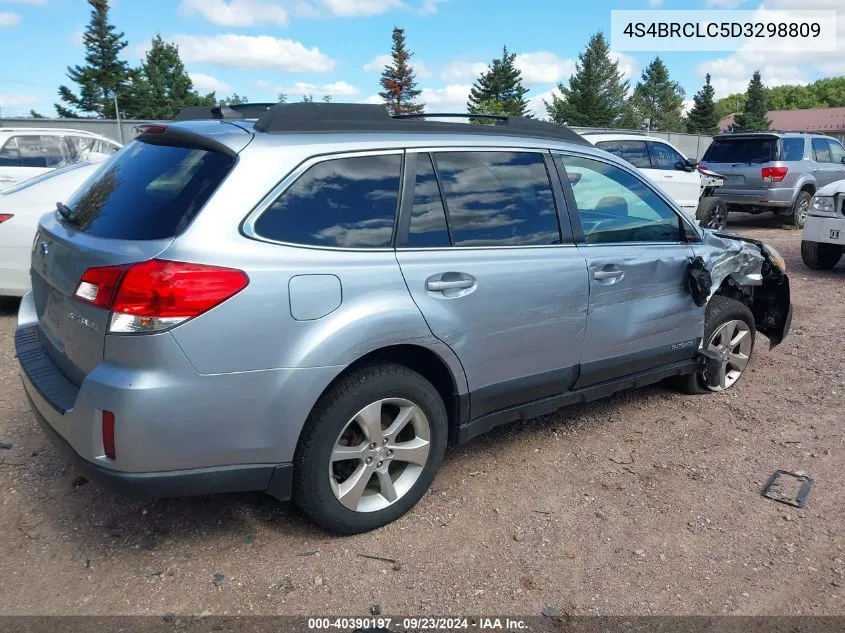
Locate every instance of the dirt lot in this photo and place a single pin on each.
(645, 503)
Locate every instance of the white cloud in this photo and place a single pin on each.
(452, 98)
(18, 100)
(377, 64)
(688, 103)
(543, 67)
(253, 51)
(461, 70)
(353, 8)
(77, 38)
(335, 89)
(7, 18)
(237, 12)
(537, 106)
(628, 66)
(430, 7)
(204, 83)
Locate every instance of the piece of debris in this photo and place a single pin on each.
(6, 446)
(381, 558)
(311, 552)
(218, 579)
(78, 482)
(550, 612)
(169, 616)
(375, 609)
(519, 535)
(784, 487)
(397, 566)
(249, 538)
(600, 515)
(318, 581)
(542, 511)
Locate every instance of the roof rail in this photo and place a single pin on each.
(357, 117)
(236, 111)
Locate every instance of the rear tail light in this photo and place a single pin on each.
(108, 434)
(156, 295)
(774, 174)
(6, 216)
(151, 128)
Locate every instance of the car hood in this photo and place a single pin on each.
(832, 189)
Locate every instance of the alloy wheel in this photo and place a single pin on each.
(733, 342)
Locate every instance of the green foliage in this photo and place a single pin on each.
(703, 118)
(398, 80)
(658, 99)
(36, 115)
(753, 115)
(499, 89)
(161, 87)
(103, 74)
(595, 96)
(235, 99)
(824, 93)
(307, 98)
(282, 98)
(327, 98)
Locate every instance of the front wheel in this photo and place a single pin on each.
(820, 256)
(370, 449)
(712, 213)
(729, 331)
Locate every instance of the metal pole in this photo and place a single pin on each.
(117, 114)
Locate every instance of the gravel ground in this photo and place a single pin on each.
(645, 503)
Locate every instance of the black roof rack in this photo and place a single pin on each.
(357, 117)
(238, 111)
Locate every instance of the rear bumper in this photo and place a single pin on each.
(775, 197)
(276, 479)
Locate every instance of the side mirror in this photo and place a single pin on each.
(684, 165)
(692, 163)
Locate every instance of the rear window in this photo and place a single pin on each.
(148, 192)
(742, 150)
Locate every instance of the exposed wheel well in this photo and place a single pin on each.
(809, 188)
(733, 290)
(424, 362)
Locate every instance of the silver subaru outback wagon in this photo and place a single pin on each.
(315, 302)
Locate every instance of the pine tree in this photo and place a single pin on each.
(399, 81)
(658, 99)
(703, 117)
(595, 96)
(235, 99)
(282, 98)
(103, 74)
(161, 87)
(499, 89)
(753, 115)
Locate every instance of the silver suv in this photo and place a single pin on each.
(775, 171)
(314, 303)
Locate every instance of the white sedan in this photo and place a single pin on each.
(21, 207)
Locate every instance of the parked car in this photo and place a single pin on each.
(29, 152)
(312, 304)
(823, 240)
(693, 189)
(775, 171)
(21, 207)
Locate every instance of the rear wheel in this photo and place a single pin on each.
(729, 331)
(800, 209)
(370, 449)
(712, 213)
(820, 256)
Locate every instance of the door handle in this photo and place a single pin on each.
(438, 285)
(608, 276)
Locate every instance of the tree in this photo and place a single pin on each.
(499, 89)
(595, 96)
(161, 87)
(658, 99)
(282, 98)
(399, 81)
(235, 99)
(103, 74)
(753, 115)
(703, 118)
(327, 99)
(307, 98)
(36, 115)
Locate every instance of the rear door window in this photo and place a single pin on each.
(148, 192)
(821, 150)
(498, 198)
(793, 149)
(41, 151)
(427, 226)
(348, 202)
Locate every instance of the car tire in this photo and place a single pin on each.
(720, 313)
(338, 424)
(800, 209)
(820, 256)
(712, 213)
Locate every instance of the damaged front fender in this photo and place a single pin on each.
(747, 270)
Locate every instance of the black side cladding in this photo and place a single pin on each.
(355, 117)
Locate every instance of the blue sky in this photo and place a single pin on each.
(261, 47)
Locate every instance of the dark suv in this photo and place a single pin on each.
(775, 171)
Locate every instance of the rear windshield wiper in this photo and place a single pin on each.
(65, 212)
